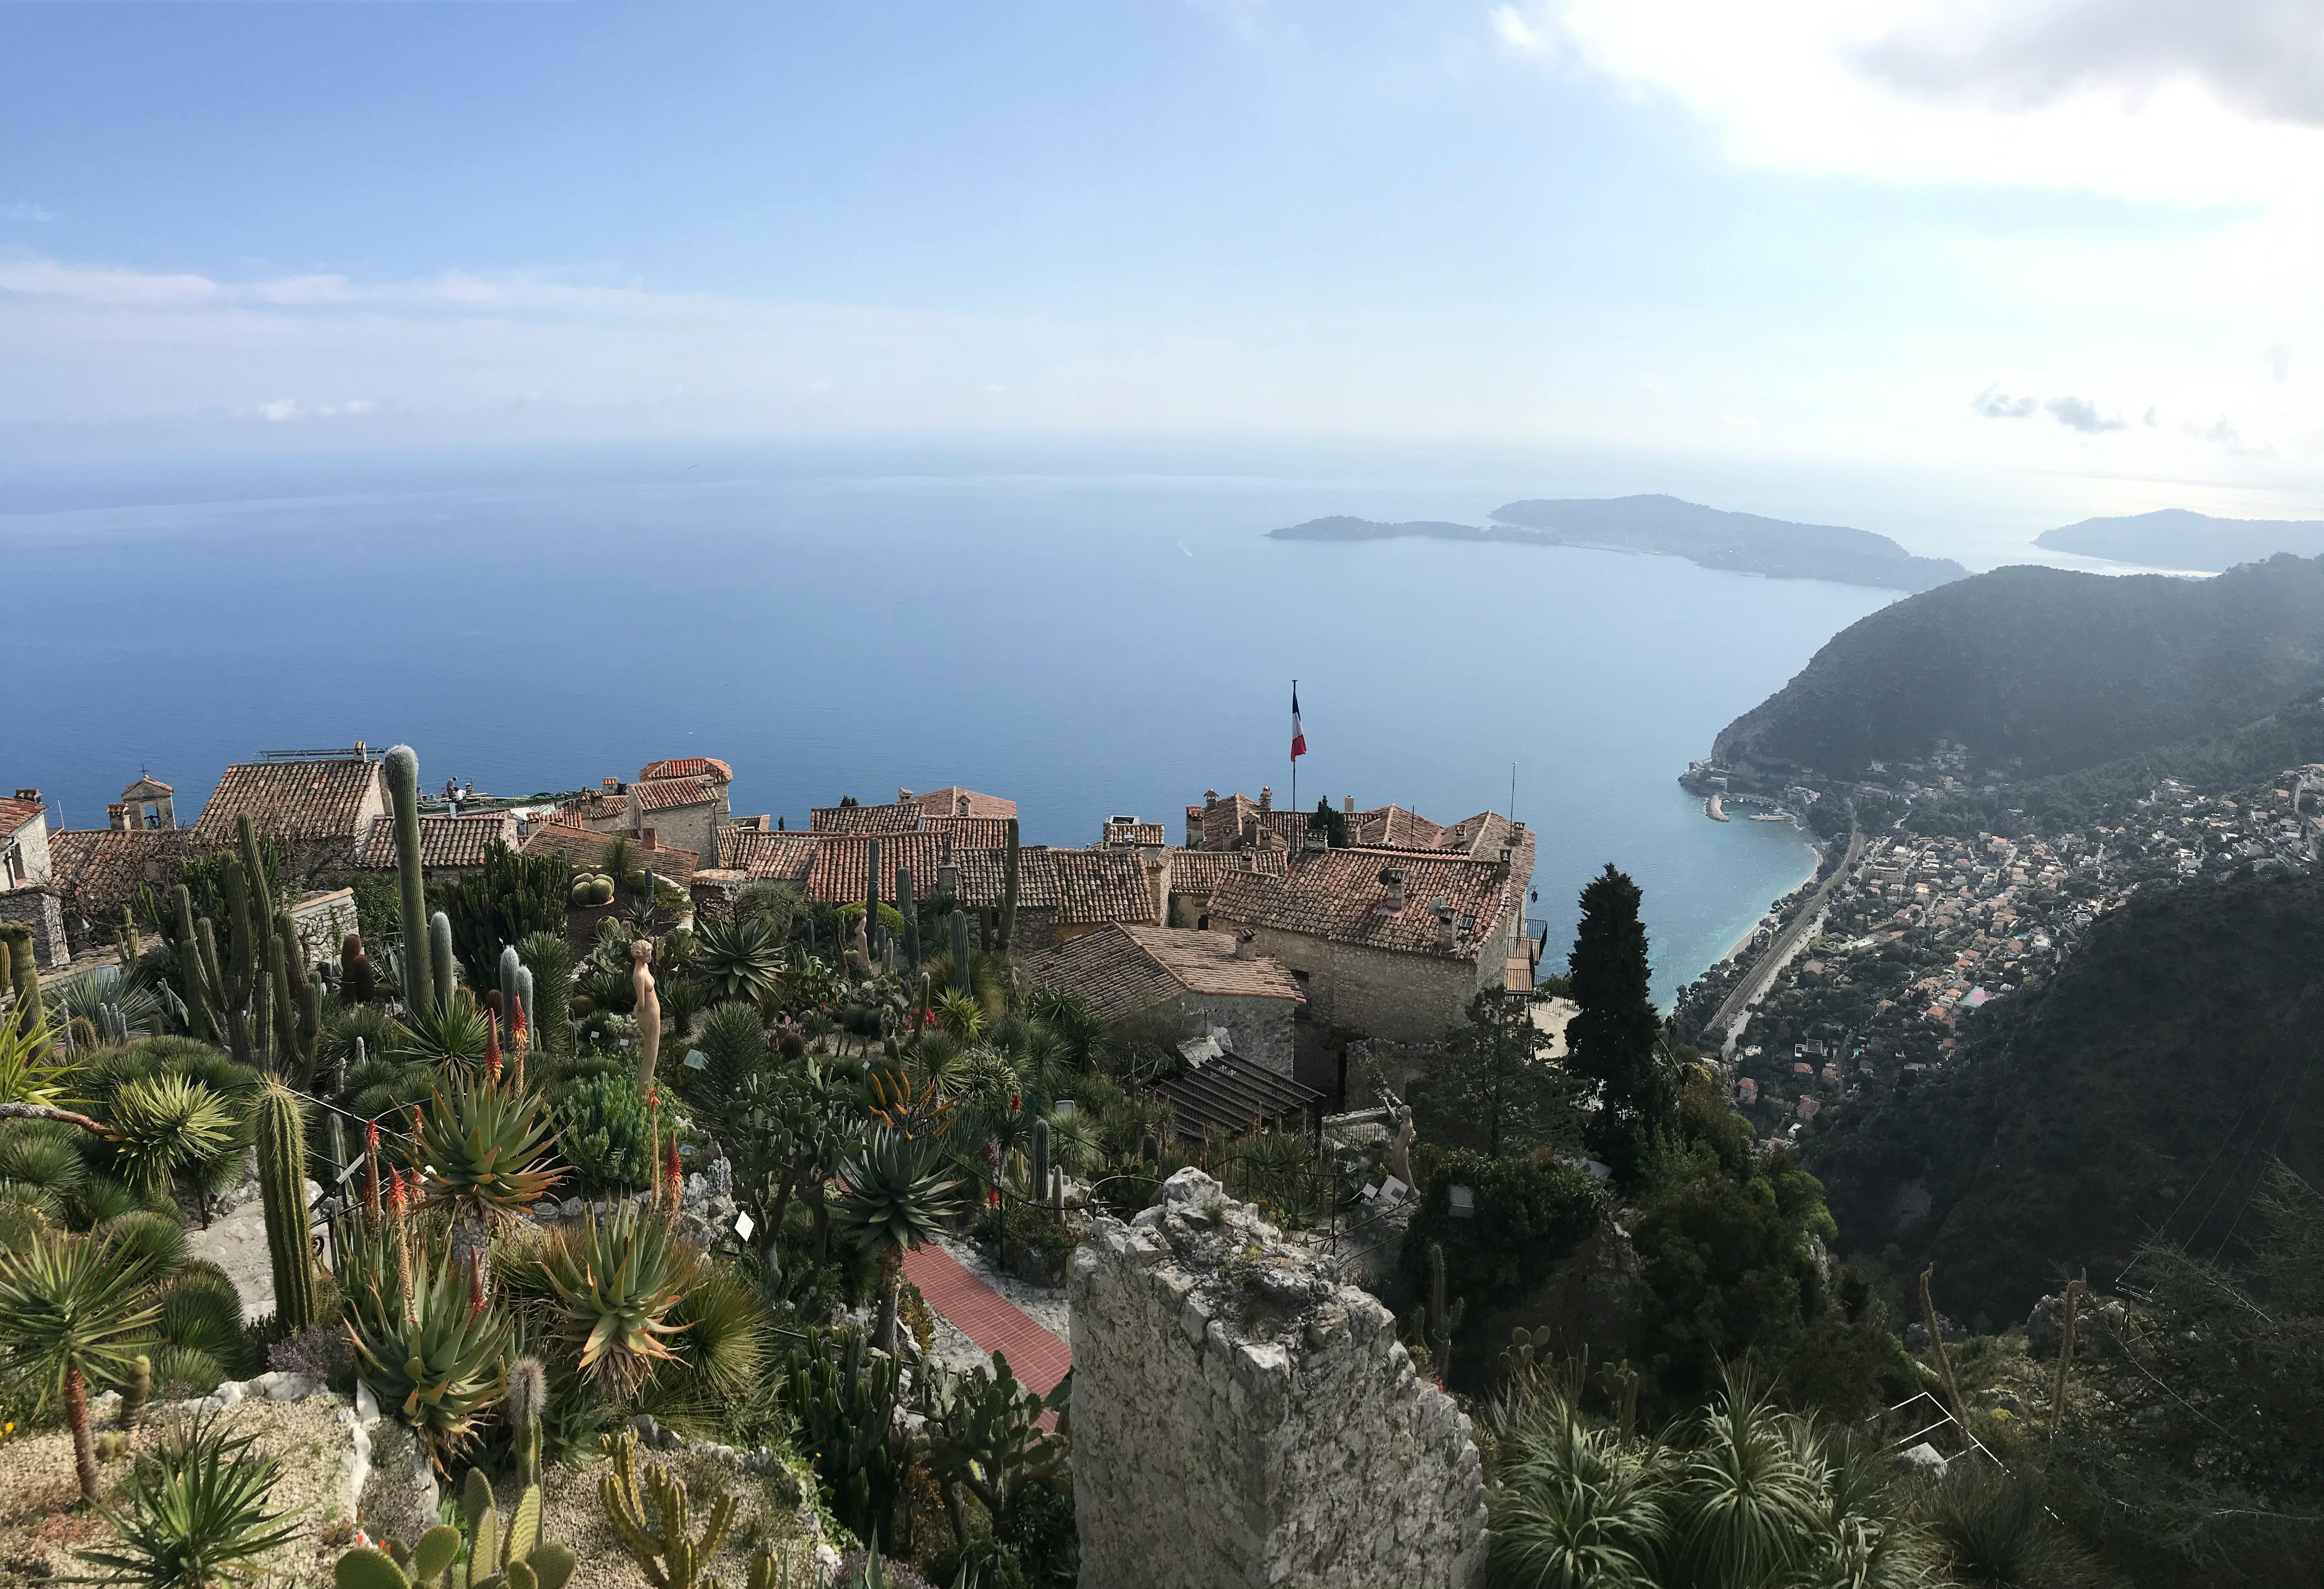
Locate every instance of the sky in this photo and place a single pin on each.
(2016, 244)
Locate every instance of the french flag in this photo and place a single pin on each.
(1299, 739)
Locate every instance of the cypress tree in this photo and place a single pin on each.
(1611, 1040)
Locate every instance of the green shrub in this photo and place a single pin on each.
(602, 1127)
(1523, 1218)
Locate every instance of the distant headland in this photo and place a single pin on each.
(2176, 538)
(1741, 543)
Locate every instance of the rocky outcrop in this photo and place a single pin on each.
(1241, 1418)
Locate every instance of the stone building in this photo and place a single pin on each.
(1241, 1420)
(100, 870)
(319, 808)
(586, 851)
(1204, 977)
(1239, 823)
(1393, 943)
(149, 804)
(1195, 876)
(28, 875)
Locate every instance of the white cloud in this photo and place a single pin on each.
(1991, 92)
(26, 212)
(1994, 404)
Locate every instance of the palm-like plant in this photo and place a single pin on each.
(194, 1514)
(960, 1014)
(73, 1311)
(26, 1073)
(481, 1148)
(166, 1126)
(893, 1197)
(453, 1031)
(615, 1282)
(738, 958)
(426, 1340)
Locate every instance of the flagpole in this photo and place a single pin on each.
(1294, 768)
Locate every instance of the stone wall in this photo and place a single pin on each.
(39, 910)
(1382, 992)
(1260, 1029)
(322, 922)
(1241, 1419)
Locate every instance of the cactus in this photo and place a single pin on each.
(1437, 1319)
(132, 947)
(136, 1390)
(1040, 1161)
(283, 1008)
(300, 1015)
(509, 995)
(909, 909)
(202, 993)
(403, 791)
(441, 976)
(653, 1523)
(241, 972)
(282, 1186)
(206, 948)
(959, 978)
(514, 1558)
(844, 1398)
(872, 899)
(528, 1394)
(23, 974)
(1009, 890)
(358, 983)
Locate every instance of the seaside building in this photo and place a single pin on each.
(449, 847)
(1208, 978)
(27, 875)
(318, 806)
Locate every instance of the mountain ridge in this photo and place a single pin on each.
(2180, 538)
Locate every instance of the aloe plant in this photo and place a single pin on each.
(427, 1341)
(615, 1282)
(480, 1146)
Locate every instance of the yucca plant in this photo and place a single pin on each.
(33, 1069)
(194, 1514)
(893, 1195)
(168, 1126)
(74, 1311)
(427, 1341)
(481, 1149)
(615, 1282)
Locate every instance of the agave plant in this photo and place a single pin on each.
(97, 995)
(480, 1147)
(427, 1342)
(893, 1197)
(193, 1512)
(738, 958)
(615, 1282)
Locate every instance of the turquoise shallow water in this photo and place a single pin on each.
(1087, 645)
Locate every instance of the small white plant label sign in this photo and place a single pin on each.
(696, 1059)
(744, 1224)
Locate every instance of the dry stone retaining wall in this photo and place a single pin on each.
(1241, 1419)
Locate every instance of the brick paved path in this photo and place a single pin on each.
(1037, 1358)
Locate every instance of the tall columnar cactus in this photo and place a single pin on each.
(282, 1186)
(910, 910)
(202, 994)
(403, 791)
(136, 1391)
(872, 898)
(23, 974)
(283, 1006)
(510, 996)
(441, 976)
(1439, 1318)
(132, 947)
(528, 1396)
(1040, 1161)
(299, 990)
(263, 884)
(1009, 890)
(206, 947)
(242, 964)
(653, 1522)
(960, 979)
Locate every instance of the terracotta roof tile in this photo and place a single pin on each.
(453, 844)
(1221, 824)
(1132, 832)
(972, 833)
(840, 859)
(687, 767)
(669, 794)
(1101, 885)
(1200, 871)
(293, 801)
(146, 789)
(15, 813)
(1337, 895)
(956, 801)
(781, 857)
(1118, 971)
(100, 869)
(984, 876)
(899, 818)
(1393, 827)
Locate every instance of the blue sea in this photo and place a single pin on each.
(1087, 644)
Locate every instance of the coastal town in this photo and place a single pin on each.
(1858, 984)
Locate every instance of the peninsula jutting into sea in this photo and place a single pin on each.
(1740, 543)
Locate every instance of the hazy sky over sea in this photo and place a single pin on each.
(2064, 255)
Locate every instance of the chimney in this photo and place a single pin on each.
(363, 751)
(1158, 880)
(116, 816)
(903, 795)
(1447, 935)
(947, 870)
(1394, 879)
(1347, 805)
(646, 837)
(33, 795)
(1210, 799)
(613, 785)
(1266, 797)
(1246, 945)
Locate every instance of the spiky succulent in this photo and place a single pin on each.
(615, 1282)
(426, 1341)
(481, 1146)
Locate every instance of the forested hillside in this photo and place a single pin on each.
(2142, 1090)
(2040, 670)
